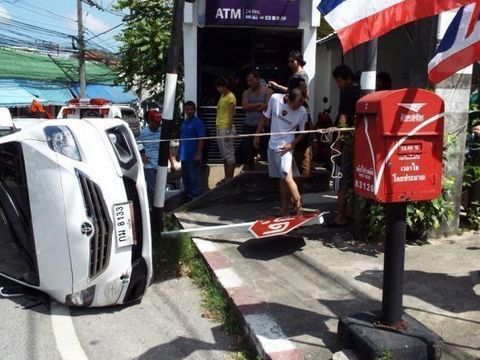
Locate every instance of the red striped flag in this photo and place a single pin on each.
(359, 21)
(460, 45)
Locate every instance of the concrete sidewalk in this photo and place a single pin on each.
(291, 290)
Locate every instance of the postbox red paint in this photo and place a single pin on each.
(398, 146)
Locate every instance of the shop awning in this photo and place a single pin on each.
(52, 94)
(116, 93)
(13, 95)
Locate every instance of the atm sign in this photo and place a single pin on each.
(284, 13)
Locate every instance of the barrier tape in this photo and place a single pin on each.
(326, 137)
(326, 131)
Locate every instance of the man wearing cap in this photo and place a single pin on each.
(149, 139)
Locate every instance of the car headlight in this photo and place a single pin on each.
(61, 140)
(81, 298)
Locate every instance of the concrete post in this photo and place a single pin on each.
(455, 91)
(168, 113)
(81, 51)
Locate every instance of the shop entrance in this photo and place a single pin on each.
(232, 52)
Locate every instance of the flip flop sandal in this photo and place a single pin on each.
(333, 224)
(220, 183)
(298, 208)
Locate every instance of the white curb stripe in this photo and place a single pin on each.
(268, 333)
(228, 278)
(66, 338)
(205, 246)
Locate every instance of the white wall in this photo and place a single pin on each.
(190, 51)
(329, 56)
(309, 21)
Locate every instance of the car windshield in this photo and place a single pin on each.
(128, 114)
(90, 113)
(17, 249)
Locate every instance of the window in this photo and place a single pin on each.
(17, 248)
(128, 114)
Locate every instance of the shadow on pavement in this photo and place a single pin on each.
(182, 347)
(271, 248)
(432, 288)
(30, 300)
(354, 306)
(296, 322)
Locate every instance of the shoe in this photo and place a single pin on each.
(332, 224)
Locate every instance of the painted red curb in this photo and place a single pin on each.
(248, 303)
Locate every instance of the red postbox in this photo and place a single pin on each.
(398, 145)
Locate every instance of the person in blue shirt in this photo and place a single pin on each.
(148, 144)
(149, 138)
(190, 151)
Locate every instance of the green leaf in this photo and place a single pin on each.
(420, 214)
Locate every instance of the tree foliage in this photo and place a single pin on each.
(145, 41)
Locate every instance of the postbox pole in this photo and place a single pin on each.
(394, 263)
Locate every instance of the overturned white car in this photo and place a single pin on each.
(73, 210)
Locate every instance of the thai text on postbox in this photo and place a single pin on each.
(399, 145)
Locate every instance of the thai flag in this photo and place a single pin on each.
(460, 45)
(358, 21)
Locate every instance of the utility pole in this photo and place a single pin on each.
(81, 50)
(168, 113)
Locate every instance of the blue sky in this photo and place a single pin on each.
(61, 16)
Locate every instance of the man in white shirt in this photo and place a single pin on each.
(286, 113)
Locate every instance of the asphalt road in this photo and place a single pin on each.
(167, 324)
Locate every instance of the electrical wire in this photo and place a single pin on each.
(38, 8)
(22, 18)
(99, 7)
(22, 34)
(17, 33)
(106, 31)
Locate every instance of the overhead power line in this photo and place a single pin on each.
(31, 8)
(106, 31)
(29, 27)
(96, 5)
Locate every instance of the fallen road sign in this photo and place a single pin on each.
(211, 230)
(283, 225)
(260, 228)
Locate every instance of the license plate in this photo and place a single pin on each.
(122, 215)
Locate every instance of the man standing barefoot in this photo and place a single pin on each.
(286, 113)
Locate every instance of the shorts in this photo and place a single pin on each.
(303, 159)
(279, 166)
(226, 146)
